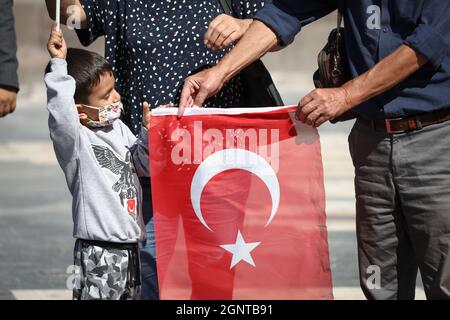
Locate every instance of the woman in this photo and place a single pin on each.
(154, 46)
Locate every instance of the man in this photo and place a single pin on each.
(399, 58)
(9, 84)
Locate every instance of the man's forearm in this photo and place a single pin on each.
(257, 41)
(386, 74)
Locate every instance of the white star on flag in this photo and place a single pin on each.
(241, 250)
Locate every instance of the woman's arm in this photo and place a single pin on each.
(257, 41)
(224, 30)
(231, 26)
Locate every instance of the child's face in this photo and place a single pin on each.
(101, 95)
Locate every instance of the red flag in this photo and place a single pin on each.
(239, 205)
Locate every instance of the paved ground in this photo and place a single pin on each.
(35, 221)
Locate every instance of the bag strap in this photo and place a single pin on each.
(339, 24)
(227, 7)
(340, 13)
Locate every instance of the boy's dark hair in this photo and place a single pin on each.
(86, 67)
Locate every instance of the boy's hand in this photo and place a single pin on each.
(147, 113)
(56, 44)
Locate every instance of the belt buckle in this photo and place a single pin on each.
(389, 128)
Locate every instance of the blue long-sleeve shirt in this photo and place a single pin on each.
(373, 30)
(8, 47)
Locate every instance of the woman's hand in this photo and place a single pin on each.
(224, 30)
(56, 44)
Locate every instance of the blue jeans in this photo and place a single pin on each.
(147, 249)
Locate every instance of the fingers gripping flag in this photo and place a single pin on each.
(239, 205)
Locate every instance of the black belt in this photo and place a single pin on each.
(407, 124)
(111, 245)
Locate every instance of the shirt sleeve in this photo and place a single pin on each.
(287, 17)
(63, 122)
(431, 36)
(96, 16)
(140, 152)
(8, 47)
(139, 149)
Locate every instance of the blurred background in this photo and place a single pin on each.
(35, 206)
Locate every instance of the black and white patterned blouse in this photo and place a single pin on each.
(154, 45)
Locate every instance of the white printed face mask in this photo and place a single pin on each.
(106, 115)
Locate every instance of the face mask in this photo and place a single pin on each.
(106, 115)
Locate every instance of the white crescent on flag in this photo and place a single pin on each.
(229, 159)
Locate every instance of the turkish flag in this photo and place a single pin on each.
(239, 205)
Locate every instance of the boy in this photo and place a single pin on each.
(101, 160)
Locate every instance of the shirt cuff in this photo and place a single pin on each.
(429, 43)
(8, 76)
(282, 24)
(58, 65)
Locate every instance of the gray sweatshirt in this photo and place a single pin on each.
(101, 166)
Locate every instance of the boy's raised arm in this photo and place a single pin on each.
(64, 123)
(65, 13)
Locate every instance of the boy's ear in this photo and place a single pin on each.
(83, 115)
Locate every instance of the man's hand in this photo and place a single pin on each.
(199, 87)
(7, 101)
(224, 30)
(56, 44)
(322, 105)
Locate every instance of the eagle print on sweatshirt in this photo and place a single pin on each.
(124, 187)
